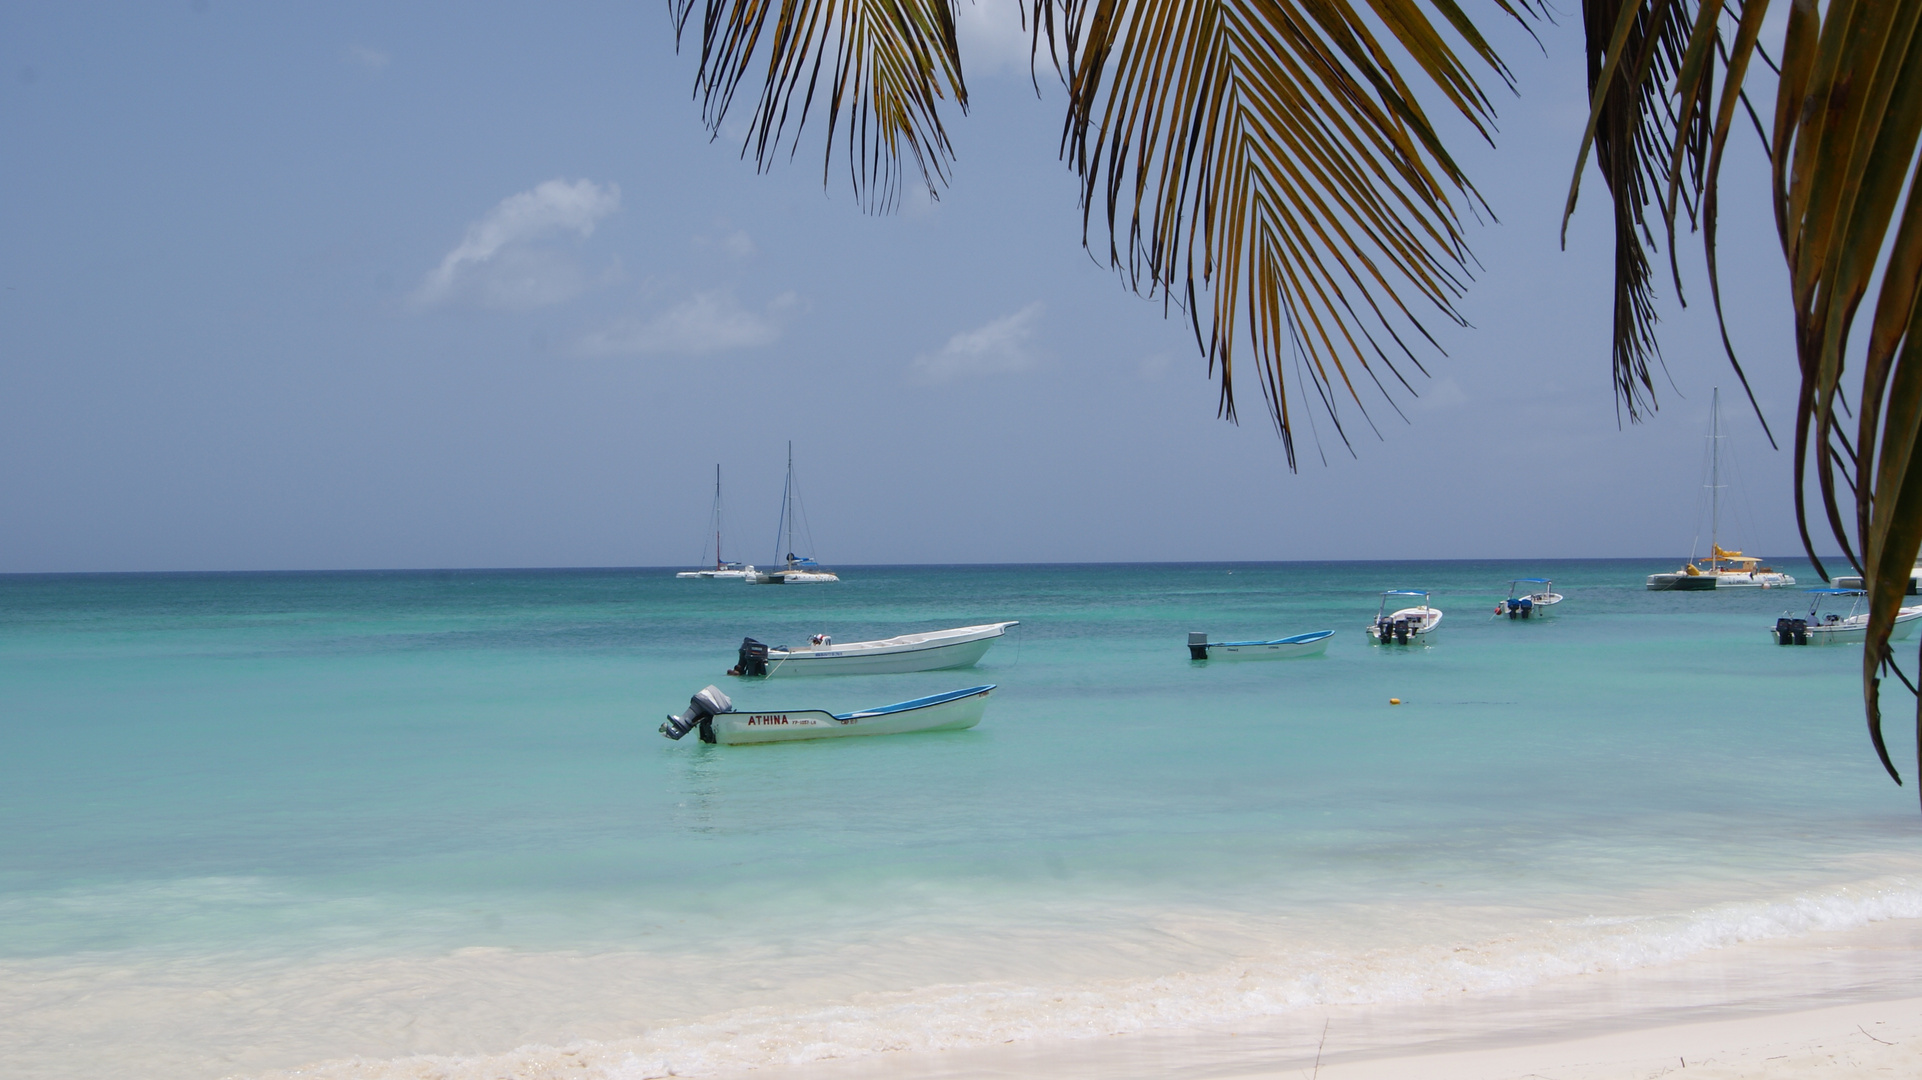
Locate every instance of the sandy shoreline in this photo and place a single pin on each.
(1868, 1039)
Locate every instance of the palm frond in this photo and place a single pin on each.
(1270, 154)
(1847, 209)
(889, 64)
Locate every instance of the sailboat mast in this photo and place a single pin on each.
(1715, 476)
(719, 562)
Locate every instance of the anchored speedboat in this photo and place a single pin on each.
(1833, 627)
(935, 650)
(1404, 625)
(1529, 597)
(713, 714)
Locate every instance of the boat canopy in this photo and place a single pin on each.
(1531, 581)
(1406, 592)
(1838, 592)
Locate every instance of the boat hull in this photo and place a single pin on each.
(1314, 644)
(954, 711)
(1422, 623)
(1855, 629)
(959, 648)
(1680, 582)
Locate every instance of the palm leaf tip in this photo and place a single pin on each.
(1266, 164)
(880, 68)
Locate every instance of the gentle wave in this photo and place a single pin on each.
(961, 1016)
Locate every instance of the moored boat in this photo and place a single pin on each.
(1834, 628)
(1313, 643)
(933, 650)
(1723, 569)
(712, 712)
(794, 569)
(721, 569)
(1404, 625)
(1529, 597)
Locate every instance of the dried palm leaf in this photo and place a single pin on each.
(1272, 154)
(1842, 150)
(892, 63)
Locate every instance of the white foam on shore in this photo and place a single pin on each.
(804, 1021)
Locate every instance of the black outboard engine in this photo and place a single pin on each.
(1791, 631)
(701, 710)
(1197, 645)
(752, 658)
(1401, 631)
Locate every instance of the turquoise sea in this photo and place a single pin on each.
(257, 822)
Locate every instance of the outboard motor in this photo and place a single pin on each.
(1401, 631)
(1800, 627)
(701, 710)
(1527, 606)
(752, 659)
(1791, 631)
(1197, 645)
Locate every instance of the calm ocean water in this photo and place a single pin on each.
(254, 821)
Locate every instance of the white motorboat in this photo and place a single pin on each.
(1313, 643)
(1403, 625)
(1833, 627)
(933, 650)
(712, 712)
(794, 569)
(1723, 569)
(1914, 587)
(1529, 597)
(722, 568)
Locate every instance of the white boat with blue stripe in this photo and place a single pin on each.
(932, 650)
(1313, 643)
(714, 715)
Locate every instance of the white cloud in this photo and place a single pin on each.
(495, 262)
(371, 59)
(1000, 346)
(703, 323)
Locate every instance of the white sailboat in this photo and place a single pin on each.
(721, 568)
(794, 569)
(1723, 569)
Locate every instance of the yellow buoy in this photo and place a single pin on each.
(1394, 701)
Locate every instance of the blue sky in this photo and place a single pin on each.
(371, 285)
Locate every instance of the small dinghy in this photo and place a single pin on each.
(1529, 597)
(1404, 625)
(934, 650)
(1310, 644)
(712, 712)
(1833, 628)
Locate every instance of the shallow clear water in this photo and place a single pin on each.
(390, 813)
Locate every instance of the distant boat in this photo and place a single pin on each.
(1834, 628)
(712, 712)
(1313, 643)
(794, 569)
(1529, 597)
(1913, 588)
(1723, 569)
(1404, 625)
(721, 568)
(934, 650)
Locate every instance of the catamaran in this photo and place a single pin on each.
(713, 714)
(1723, 569)
(934, 650)
(794, 569)
(721, 568)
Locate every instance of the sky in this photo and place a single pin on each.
(459, 285)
